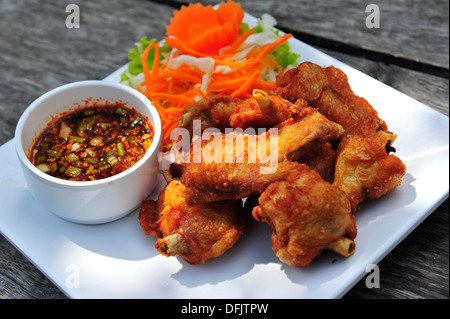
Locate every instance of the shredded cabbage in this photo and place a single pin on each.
(204, 64)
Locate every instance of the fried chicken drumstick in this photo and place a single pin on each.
(328, 90)
(195, 233)
(306, 215)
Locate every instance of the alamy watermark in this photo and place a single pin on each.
(373, 278)
(235, 146)
(73, 18)
(373, 17)
(73, 276)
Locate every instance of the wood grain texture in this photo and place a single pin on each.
(39, 53)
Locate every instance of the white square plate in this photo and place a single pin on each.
(117, 260)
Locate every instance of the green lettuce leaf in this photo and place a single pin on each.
(284, 56)
(135, 65)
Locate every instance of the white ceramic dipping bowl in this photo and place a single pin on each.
(88, 202)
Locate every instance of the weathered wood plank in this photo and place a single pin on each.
(408, 28)
(19, 279)
(41, 53)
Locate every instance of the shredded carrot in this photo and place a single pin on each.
(160, 110)
(238, 42)
(266, 85)
(183, 73)
(139, 90)
(270, 62)
(247, 85)
(227, 84)
(175, 98)
(267, 48)
(145, 67)
(202, 31)
(155, 61)
(173, 110)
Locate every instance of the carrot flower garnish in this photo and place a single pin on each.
(204, 29)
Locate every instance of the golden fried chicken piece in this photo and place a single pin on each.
(328, 90)
(304, 132)
(232, 169)
(365, 170)
(213, 182)
(306, 215)
(223, 111)
(264, 111)
(195, 233)
(213, 111)
(321, 159)
(295, 136)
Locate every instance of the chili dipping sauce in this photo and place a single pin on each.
(93, 143)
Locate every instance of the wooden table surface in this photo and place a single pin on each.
(409, 51)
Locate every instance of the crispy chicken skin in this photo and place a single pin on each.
(213, 111)
(264, 110)
(195, 233)
(304, 132)
(328, 90)
(237, 176)
(321, 159)
(219, 181)
(306, 215)
(365, 170)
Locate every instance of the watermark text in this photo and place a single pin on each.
(373, 19)
(73, 19)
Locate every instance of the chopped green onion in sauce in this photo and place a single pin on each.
(93, 143)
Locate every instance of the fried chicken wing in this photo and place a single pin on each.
(195, 233)
(306, 215)
(303, 133)
(328, 90)
(321, 159)
(365, 170)
(220, 181)
(238, 171)
(213, 111)
(264, 110)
